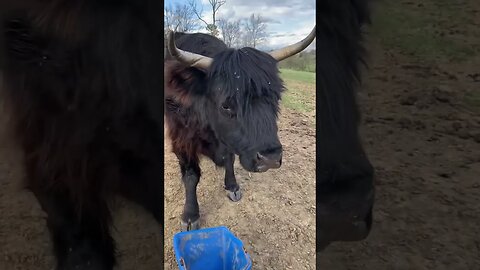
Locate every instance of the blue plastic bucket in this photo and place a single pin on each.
(210, 248)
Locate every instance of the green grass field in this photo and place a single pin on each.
(300, 94)
(429, 31)
(301, 76)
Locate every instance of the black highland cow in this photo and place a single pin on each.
(222, 102)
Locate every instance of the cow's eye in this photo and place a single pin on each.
(227, 110)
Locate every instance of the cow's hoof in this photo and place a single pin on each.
(234, 195)
(190, 226)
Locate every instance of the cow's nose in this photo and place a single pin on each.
(269, 159)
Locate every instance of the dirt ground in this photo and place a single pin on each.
(425, 147)
(24, 239)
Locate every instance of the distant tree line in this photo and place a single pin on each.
(304, 61)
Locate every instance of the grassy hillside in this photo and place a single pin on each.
(300, 94)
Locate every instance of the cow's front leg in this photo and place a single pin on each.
(231, 185)
(190, 177)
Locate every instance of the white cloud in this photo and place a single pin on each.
(280, 39)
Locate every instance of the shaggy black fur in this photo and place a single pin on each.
(345, 189)
(84, 92)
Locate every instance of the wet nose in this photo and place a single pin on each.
(269, 159)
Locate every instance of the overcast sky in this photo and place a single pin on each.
(289, 20)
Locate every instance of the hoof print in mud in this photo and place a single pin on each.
(235, 196)
(190, 226)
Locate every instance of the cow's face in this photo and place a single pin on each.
(243, 102)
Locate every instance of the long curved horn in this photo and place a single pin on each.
(188, 58)
(293, 49)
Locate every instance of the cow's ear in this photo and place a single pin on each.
(182, 82)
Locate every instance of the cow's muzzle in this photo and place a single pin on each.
(270, 159)
(352, 225)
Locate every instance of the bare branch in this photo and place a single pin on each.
(215, 5)
(255, 28)
(180, 18)
(231, 32)
(198, 13)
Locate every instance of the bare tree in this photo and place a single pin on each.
(231, 32)
(180, 18)
(215, 4)
(255, 30)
